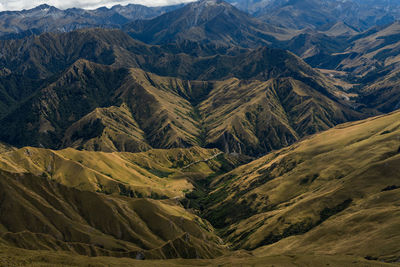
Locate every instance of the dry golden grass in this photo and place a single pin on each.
(39, 214)
(257, 116)
(333, 193)
(122, 134)
(10, 257)
(328, 199)
(5, 148)
(154, 171)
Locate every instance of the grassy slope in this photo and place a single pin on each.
(20, 257)
(254, 116)
(106, 129)
(133, 110)
(5, 148)
(45, 215)
(335, 192)
(156, 173)
(371, 62)
(160, 108)
(217, 23)
(91, 94)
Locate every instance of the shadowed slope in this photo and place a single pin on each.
(208, 21)
(252, 117)
(43, 214)
(45, 18)
(106, 129)
(110, 107)
(278, 99)
(335, 192)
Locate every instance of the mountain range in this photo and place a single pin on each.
(315, 14)
(45, 18)
(134, 109)
(211, 133)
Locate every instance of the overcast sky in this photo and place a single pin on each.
(26, 4)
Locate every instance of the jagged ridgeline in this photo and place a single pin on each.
(318, 195)
(108, 204)
(96, 90)
(321, 194)
(187, 135)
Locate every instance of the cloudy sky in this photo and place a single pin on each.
(26, 4)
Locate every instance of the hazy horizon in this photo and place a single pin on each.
(15, 5)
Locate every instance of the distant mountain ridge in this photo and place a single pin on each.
(132, 96)
(207, 21)
(201, 134)
(338, 16)
(46, 18)
(300, 14)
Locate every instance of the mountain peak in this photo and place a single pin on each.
(43, 7)
(211, 2)
(206, 4)
(205, 21)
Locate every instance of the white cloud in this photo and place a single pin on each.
(88, 4)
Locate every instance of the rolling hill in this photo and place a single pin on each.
(108, 204)
(44, 215)
(335, 192)
(155, 173)
(202, 136)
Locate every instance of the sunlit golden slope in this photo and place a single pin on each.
(160, 108)
(45, 215)
(101, 90)
(156, 173)
(110, 129)
(253, 117)
(336, 192)
(10, 256)
(5, 148)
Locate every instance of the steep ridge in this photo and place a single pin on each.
(316, 47)
(106, 129)
(45, 18)
(252, 117)
(160, 109)
(300, 14)
(118, 108)
(373, 49)
(106, 204)
(155, 173)
(338, 183)
(370, 62)
(334, 192)
(44, 215)
(42, 119)
(48, 54)
(206, 21)
(133, 110)
(201, 98)
(5, 148)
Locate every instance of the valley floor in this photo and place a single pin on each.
(10, 257)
